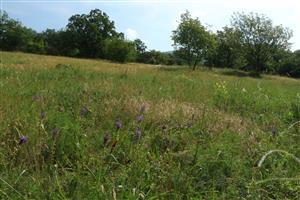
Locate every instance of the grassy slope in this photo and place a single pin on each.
(202, 137)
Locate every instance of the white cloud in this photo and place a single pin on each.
(131, 34)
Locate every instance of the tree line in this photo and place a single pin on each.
(251, 42)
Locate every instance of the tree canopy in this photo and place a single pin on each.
(192, 39)
(89, 31)
(259, 39)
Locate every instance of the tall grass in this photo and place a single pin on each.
(202, 134)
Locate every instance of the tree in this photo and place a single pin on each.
(140, 46)
(88, 32)
(192, 39)
(119, 50)
(228, 49)
(259, 39)
(14, 36)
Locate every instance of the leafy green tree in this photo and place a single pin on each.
(290, 64)
(14, 36)
(119, 50)
(192, 39)
(259, 39)
(140, 46)
(88, 33)
(228, 49)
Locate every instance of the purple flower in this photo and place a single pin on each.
(43, 114)
(84, 111)
(56, 131)
(23, 139)
(137, 133)
(105, 138)
(118, 124)
(140, 118)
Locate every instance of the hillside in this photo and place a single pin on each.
(92, 129)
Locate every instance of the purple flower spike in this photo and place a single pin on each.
(84, 111)
(118, 124)
(23, 139)
(138, 133)
(140, 118)
(105, 138)
(43, 114)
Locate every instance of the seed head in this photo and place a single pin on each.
(274, 131)
(189, 124)
(56, 131)
(43, 114)
(37, 98)
(84, 111)
(143, 108)
(106, 138)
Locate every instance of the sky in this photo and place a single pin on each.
(153, 21)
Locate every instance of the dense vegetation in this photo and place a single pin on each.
(84, 129)
(251, 42)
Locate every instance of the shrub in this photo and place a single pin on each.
(119, 50)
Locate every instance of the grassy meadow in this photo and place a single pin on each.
(92, 129)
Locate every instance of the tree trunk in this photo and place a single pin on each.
(195, 65)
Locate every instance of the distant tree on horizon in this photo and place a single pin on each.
(259, 39)
(192, 39)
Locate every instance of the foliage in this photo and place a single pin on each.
(197, 139)
(228, 51)
(251, 43)
(259, 39)
(156, 58)
(14, 36)
(290, 65)
(192, 38)
(89, 31)
(140, 46)
(119, 50)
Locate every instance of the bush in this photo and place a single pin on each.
(119, 50)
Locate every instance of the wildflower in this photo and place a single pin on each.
(140, 118)
(137, 133)
(118, 124)
(56, 131)
(105, 138)
(43, 114)
(23, 139)
(84, 111)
